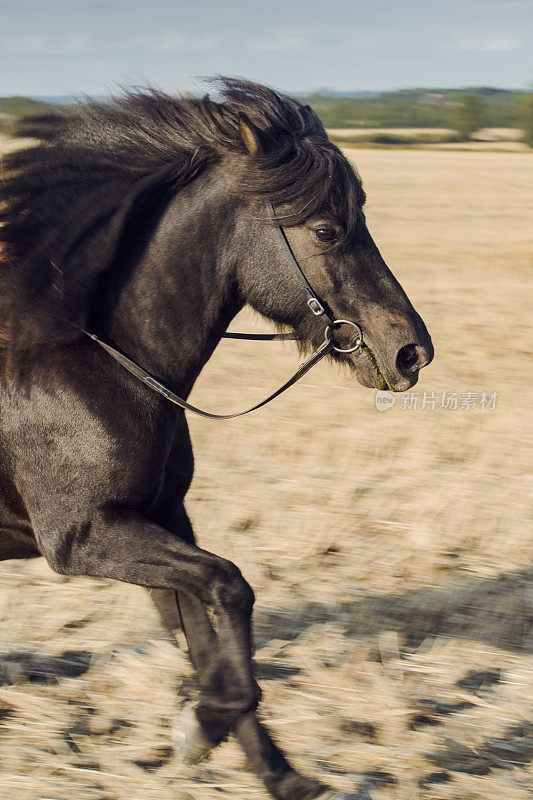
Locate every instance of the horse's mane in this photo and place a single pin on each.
(66, 202)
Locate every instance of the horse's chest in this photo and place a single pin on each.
(61, 444)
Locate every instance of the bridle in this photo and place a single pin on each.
(315, 306)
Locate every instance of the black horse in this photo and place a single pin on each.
(144, 221)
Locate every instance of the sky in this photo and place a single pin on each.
(50, 47)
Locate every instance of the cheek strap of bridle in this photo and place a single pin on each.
(315, 306)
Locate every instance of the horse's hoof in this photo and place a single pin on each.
(189, 739)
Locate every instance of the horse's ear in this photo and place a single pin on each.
(254, 139)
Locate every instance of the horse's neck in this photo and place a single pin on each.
(179, 299)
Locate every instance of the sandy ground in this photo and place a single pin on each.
(390, 551)
(7, 143)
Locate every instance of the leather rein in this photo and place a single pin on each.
(315, 306)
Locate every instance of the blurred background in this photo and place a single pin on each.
(389, 545)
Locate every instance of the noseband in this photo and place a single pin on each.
(315, 306)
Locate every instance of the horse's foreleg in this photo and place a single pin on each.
(200, 733)
(126, 546)
(184, 613)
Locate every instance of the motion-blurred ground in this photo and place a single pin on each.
(390, 552)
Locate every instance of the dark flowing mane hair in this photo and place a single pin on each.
(69, 202)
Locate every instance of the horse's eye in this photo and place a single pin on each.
(325, 234)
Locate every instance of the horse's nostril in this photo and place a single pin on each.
(407, 358)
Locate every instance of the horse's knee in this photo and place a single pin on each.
(230, 591)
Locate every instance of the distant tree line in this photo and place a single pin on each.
(463, 111)
(17, 106)
(526, 118)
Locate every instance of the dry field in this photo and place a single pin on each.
(390, 551)
(488, 139)
(483, 135)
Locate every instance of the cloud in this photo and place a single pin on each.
(279, 44)
(488, 43)
(73, 44)
(514, 4)
(80, 44)
(173, 42)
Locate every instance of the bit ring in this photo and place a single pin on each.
(358, 336)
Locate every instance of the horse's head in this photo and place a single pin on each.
(326, 230)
